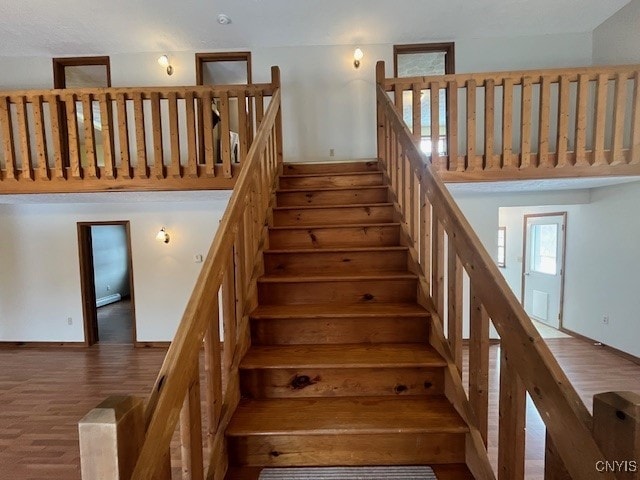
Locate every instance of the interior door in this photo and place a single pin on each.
(543, 273)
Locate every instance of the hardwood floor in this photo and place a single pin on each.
(44, 392)
(115, 322)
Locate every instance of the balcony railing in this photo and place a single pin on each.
(528, 124)
(172, 138)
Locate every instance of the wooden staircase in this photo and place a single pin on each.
(340, 370)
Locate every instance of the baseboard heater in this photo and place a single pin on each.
(101, 302)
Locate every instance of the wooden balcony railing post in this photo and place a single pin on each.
(525, 127)
(141, 168)
(562, 145)
(159, 170)
(6, 129)
(110, 438)
(106, 121)
(491, 162)
(192, 145)
(602, 87)
(207, 133)
(276, 83)
(452, 126)
(635, 120)
(175, 169)
(25, 146)
(90, 169)
(511, 435)
(41, 138)
(124, 169)
(619, 104)
(417, 112)
(507, 123)
(543, 122)
(471, 126)
(225, 131)
(582, 109)
(616, 428)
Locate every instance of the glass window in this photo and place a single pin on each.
(502, 246)
(544, 251)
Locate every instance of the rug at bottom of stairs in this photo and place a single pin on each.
(348, 473)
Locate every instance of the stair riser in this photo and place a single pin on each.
(329, 181)
(333, 216)
(343, 167)
(335, 262)
(332, 197)
(358, 291)
(354, 449)
(342, 382)
(378, 236)
(310, 331)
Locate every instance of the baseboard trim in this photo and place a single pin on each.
(625, 355)
(4, 344)
(152, 344)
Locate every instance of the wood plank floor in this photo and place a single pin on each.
(44, 392)
(115, 322)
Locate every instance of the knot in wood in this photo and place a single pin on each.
(368, 296)
(400, 388)
(301, 381)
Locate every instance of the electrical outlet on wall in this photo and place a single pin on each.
(332, 152)
(108, 287)
(69, 321)
(605, 319)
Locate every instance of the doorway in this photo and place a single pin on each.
(106, 278)
(543, 267)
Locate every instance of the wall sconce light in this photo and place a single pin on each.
(164, 62)
(162, 236)
(357, 56)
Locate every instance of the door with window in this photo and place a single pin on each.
(543, 267)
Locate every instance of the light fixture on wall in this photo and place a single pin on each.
(162, 236)
(357, 56)
(163, 60)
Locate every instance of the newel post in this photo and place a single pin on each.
(111, 436)
(616, 428)
(380, 73)
(275, 82)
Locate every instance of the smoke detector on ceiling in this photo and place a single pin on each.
(224, 19)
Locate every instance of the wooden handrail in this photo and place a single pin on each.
(141, 138)
(525, 124)
(526, 359)
(229, 268)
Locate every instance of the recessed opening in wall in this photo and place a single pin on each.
(226, 68)
(106, 274)
(423, 60)
(81, 72)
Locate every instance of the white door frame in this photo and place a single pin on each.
(564, 258)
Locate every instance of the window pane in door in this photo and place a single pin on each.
(544, 251)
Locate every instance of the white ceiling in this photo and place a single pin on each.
(555, 184)
(90, 27)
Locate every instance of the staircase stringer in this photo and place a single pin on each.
(475, 450)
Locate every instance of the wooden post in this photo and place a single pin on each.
(110, 438)
(616, 428)
(379, 116)
(275, 81)
(454, 317)
(511, 427)
(479, 362)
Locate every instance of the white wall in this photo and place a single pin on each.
(110, 260)
(40, 279)
(326, 102)
(605, 260)
(616, 40)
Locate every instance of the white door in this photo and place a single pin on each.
(543, 264)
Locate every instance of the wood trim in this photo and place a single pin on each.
(447, 47)
(143, 344)
(59, 64)
(36, 344)
(503, 264)
(221, 57)
(87, 283)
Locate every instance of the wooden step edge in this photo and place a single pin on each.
(398, 248)
(332, 189)
(396, 310)
(353, 430)
(325, 207)
(334, 162)
(435, 361)
(449, 471)
(344, 225)
(336, 278)
(331, 174)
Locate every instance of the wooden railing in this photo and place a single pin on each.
(127, 138)
(228, 277)
(445, 249)
(528, 124)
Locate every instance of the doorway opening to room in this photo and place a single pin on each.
(106, 278)
(226, 68)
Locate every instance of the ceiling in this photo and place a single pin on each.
(90, 27)
(521, 186)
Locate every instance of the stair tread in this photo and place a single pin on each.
(320, 207)
(342, 356)
(345, 225)
(332, 189)
(337, 310)
(331, 174)
(332, 277)
(453, 471)
(345, 415)
(398, 248)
